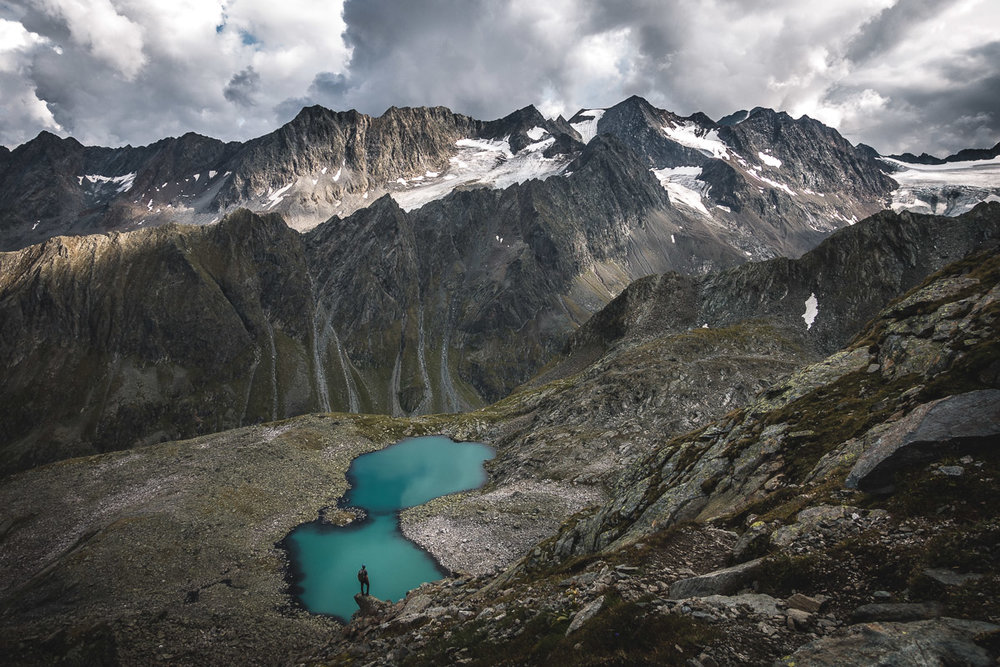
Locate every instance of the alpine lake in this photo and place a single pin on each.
(325, 558)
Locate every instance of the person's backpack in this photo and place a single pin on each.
(362, 575)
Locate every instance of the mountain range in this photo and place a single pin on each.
(723, 364)
(462, 237)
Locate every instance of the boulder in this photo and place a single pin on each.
(588, 612)
(950, 578)
(896, 611)
(370, 606)
(810, 520)
(796, 619)
(805, 603)
(943, 641)
(721, 582)
(416, 604)
(940, 428)
(752, 542)
(758, 603)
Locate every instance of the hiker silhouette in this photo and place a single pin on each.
(363, 578)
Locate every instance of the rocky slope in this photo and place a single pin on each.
(646, 366)
(182, 536)
(768, 533)
(845, 516)
(111, 342)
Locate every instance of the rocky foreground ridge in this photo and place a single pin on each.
(837, 509)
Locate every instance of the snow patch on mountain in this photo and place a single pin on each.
(683, 187)
(588, 127)
(483, 162)
(812, 310)
(124, 181)
(769, 160)
(275, 197)
(754, 171)
(536, 133)
(951, 189)
(697, 137)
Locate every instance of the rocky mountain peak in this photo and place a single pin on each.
(519, 128)
(49, 145)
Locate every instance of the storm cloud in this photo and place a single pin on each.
(916, 75)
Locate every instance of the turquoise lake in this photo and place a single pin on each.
(326, 558)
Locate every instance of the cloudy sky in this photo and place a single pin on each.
(898, 74)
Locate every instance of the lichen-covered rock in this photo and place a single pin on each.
(949, 426)
(590, 610)
(720, 582)
(946, 641)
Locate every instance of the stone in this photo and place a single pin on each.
(804, 603)
(720, 582)
(809, 520)
(753, 541)
(950, 471)
(416, 604)
(370, 606)
(930, 431)
(896, 611)
(798, 619)
(585, 614)
(944, 641)
(949, 578)
(760, 604)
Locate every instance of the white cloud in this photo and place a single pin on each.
(97, 26)
(133, 71)
(885, 72)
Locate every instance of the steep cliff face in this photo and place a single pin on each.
(113, 341)
(448, 285)
(325, 162)
(779, 184)
(108, 342)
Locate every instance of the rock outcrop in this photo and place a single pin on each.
(955, 425)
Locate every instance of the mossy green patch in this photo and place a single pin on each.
(832, 414)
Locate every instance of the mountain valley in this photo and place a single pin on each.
(741, 377)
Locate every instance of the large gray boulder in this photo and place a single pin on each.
(720, 582)
(931, 431)
(944, 641)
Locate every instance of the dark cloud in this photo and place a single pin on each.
(891, 25)
(329, 87)
(243, 87)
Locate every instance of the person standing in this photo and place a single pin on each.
(363, 579)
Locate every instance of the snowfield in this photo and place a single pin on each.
(944, 189)
(694, 136)
(588, 128)
(484, 162)
(683, 187)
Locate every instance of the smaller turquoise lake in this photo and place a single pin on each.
(325, 558)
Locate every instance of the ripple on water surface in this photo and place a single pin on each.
(326, 558)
